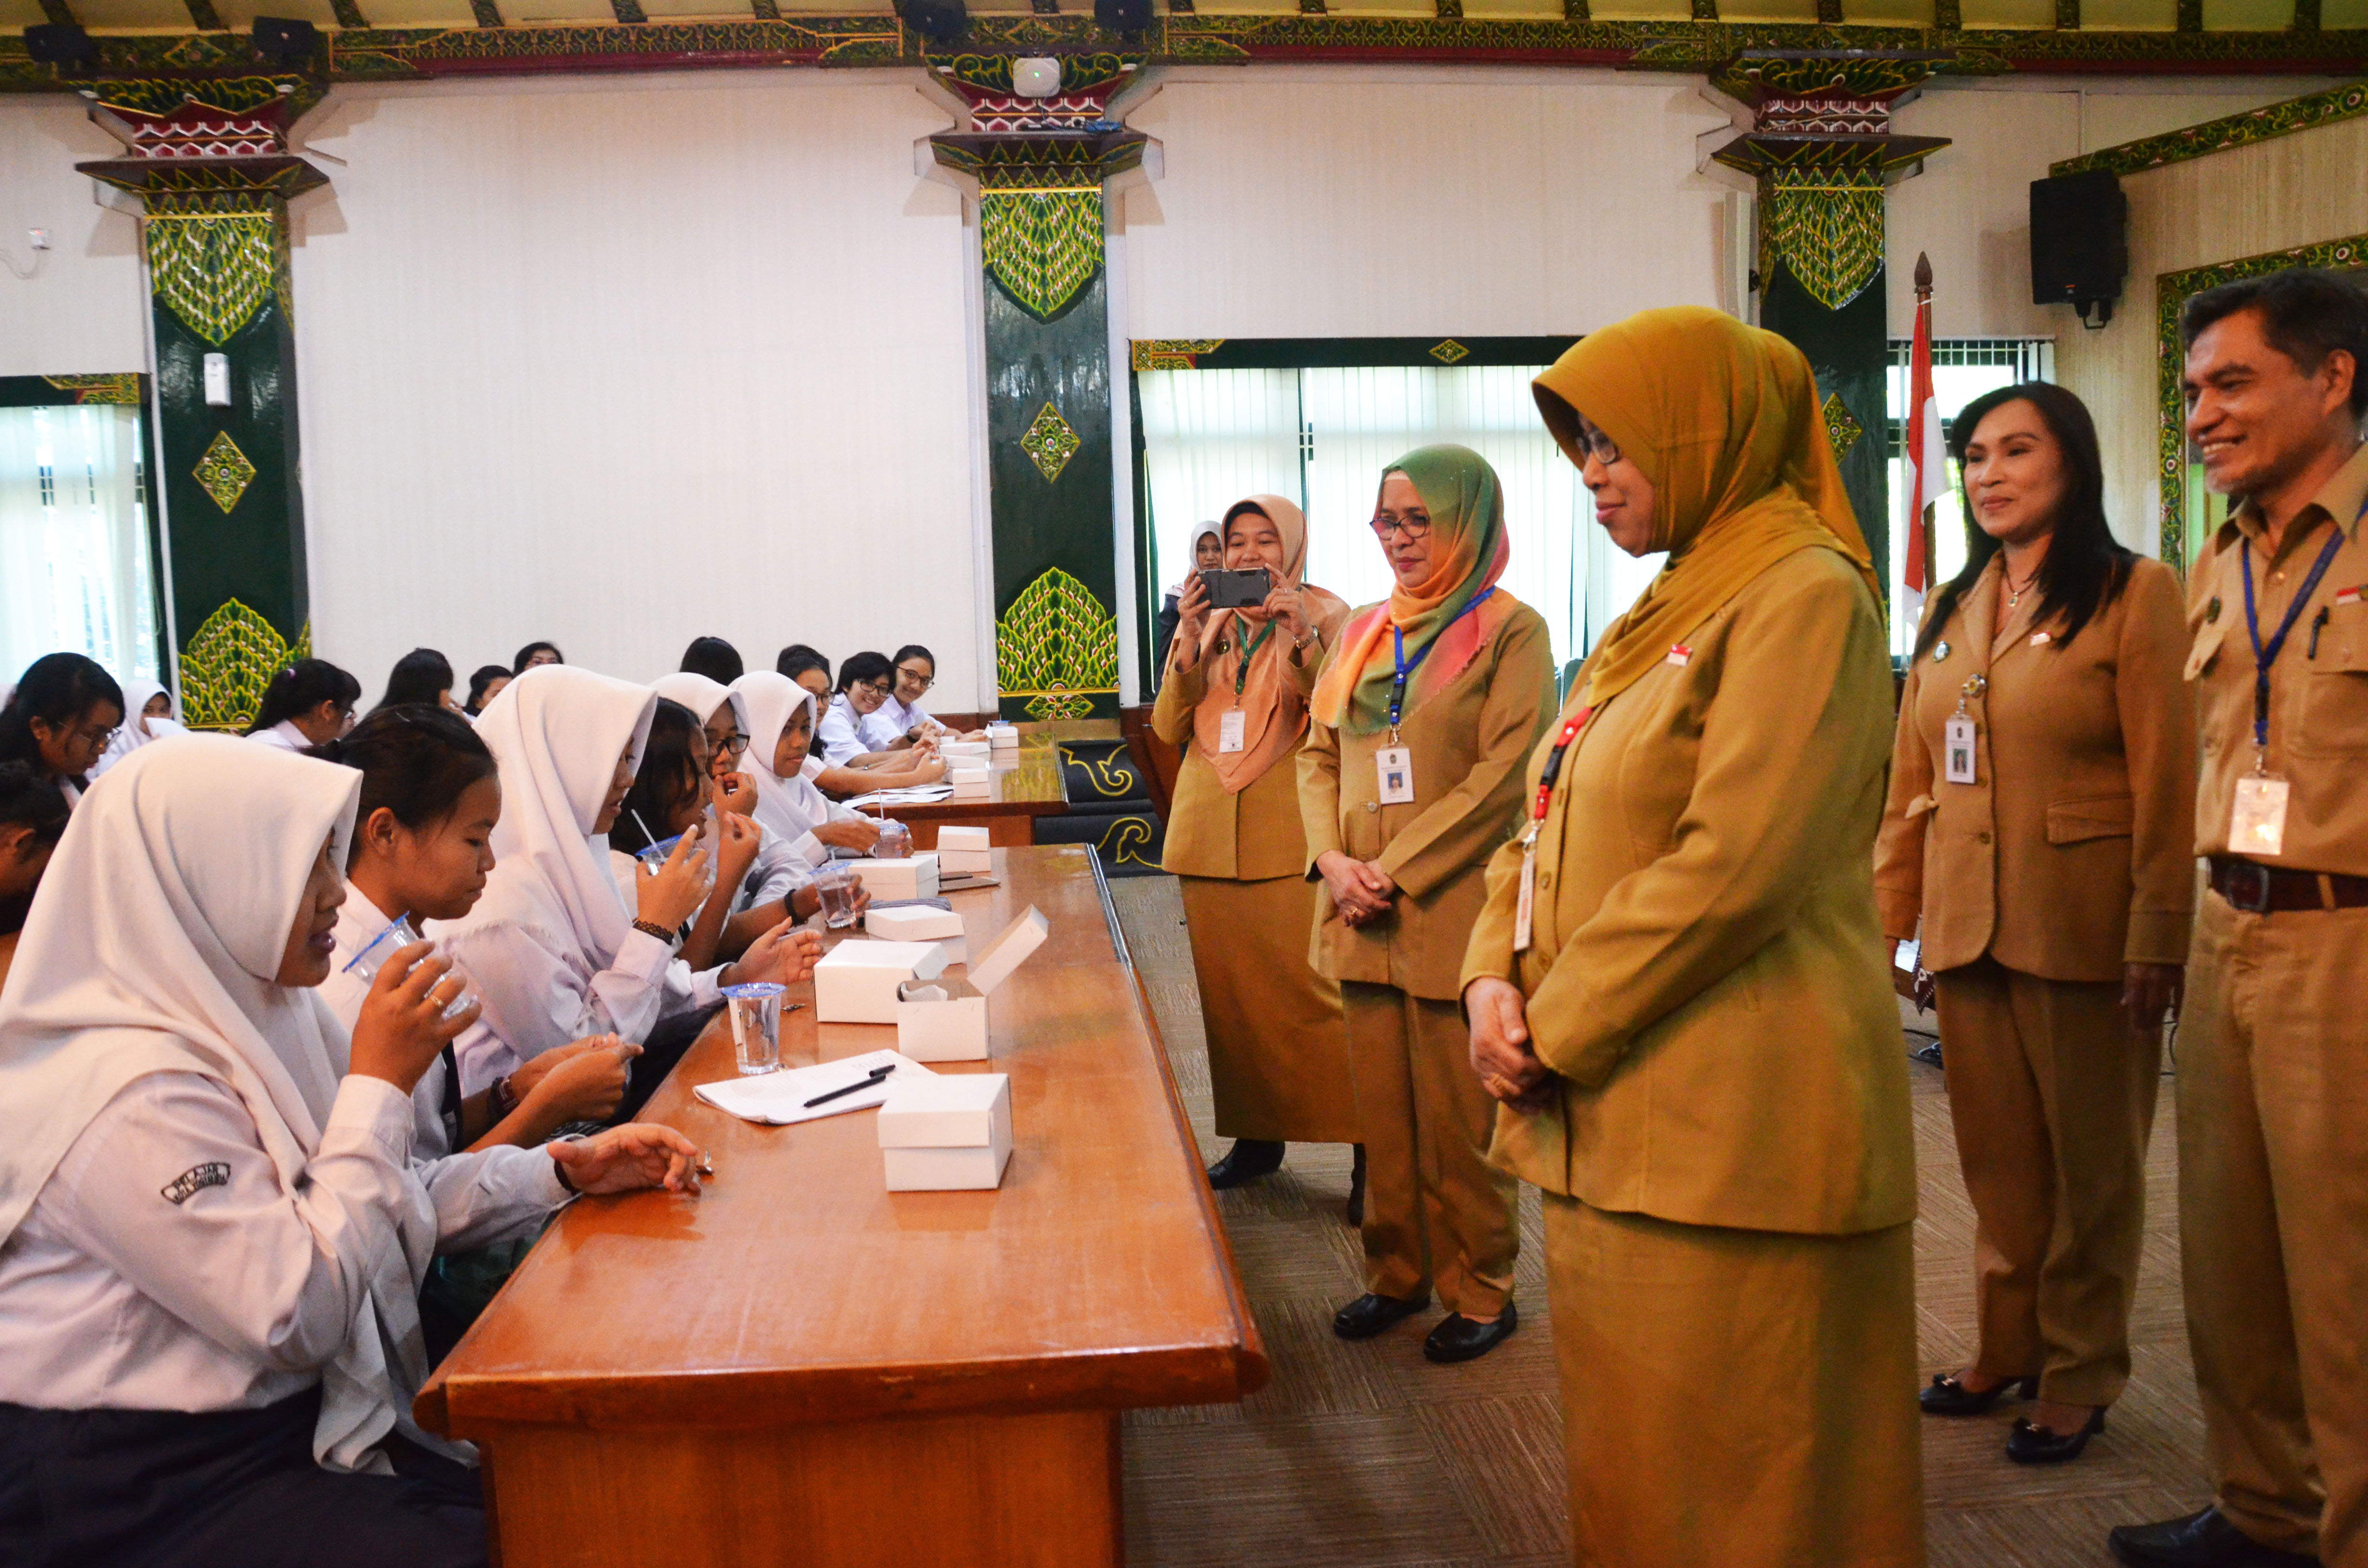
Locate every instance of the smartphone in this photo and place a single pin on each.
(1238, 590)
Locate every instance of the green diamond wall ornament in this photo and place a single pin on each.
(224, 471)
(1050, 443)
(1447, 351)
(1841, 429)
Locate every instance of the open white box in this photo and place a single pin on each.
(951, 1024)
(947, 1134)
(918, 922)
(962, 851)
(911, 876)
(856, 981)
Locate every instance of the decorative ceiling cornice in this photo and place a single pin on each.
(1193, 38)
(2264, 124)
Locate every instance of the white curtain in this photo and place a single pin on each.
(73, 539)
(1324, 435)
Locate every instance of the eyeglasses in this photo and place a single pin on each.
(1412, 527)
(732, 747)
(924, 682)
(1592, 441)
(878, 687)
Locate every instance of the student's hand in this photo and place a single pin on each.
(1288, 609)
(629, 1158)
(742, 838)
(1360, 892)
(784, 955)
(927, 770)
(533, 1071)
(926, 747)
(738, 792)
(971, 734)
(1501, 1056)
(860, 833)
(1191, 609)
(2150, 990)
(402, 1028)
(588, 1086)
(680, 887)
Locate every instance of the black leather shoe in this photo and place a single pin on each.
(2207, 1539)
(1947, 1396)
(1357, 1188)
(1370, 1315)
(1248, 1160)
(1458, 1338)
(2031, 1444)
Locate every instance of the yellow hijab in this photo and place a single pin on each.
(1723, 420)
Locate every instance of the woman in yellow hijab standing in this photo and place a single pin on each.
(1679, 988)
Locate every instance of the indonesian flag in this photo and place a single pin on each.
(1927, 467)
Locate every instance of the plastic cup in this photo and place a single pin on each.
(756, 1010)
(835, 885)
(381, 950)
(895, 841)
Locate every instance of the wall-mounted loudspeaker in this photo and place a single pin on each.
(2079, 243)
(285, 42)
(1122, 16)
(60, 43)
(940, 21)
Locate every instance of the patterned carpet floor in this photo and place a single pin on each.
(1365, 1455)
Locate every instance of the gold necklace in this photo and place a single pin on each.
(2013, 594)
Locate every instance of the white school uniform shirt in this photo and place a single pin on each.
(198, 1208)
(138, 729)
(285, 735)
(781, 866)
(551, 944)
(493, 1195)
(839, 738)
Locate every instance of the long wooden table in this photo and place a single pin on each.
(797, 1367)
(1032, 785)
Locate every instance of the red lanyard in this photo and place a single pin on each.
(1553, 762)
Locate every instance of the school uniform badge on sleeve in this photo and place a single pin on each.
(195, 1179)
(2349, 596)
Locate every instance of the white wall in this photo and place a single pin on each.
(80, 312)
(618, 362)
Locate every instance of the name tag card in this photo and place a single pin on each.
(1957, 754)
(1229, 729)
(1525, 907)
(1394, 767)
(2258, 825)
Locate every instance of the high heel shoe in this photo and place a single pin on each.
(2028, 1444)
(1947, 1396)
(1246, 1161)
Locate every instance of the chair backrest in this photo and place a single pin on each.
(1156, 760)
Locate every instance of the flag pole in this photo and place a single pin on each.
(1924, 326)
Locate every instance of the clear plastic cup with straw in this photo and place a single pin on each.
(381, 950)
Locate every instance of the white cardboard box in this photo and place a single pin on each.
(1003, 737)
(947, 1021)
(970, 783)
(856, 981)
(962, 851)
(919, 923)
(953, 836)
(913, 876)
(947, 1133)
(963, 751)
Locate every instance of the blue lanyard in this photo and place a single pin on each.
(2265, 655)
(1397, 650)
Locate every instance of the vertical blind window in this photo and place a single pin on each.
(73, 539)
(1321, 436)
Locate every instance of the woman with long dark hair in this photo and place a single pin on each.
(486, 683)
(535, 653)
(2040, 827)
(60, 718)
(421, 676)
(308, 703)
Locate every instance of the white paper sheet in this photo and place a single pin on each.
(919, 795)
(779, 1099)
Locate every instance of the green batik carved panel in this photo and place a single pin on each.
(1057, 646)
(1042, 246)
(229, 662)
(1848, 351)
(119, 389)
(2264, 124)
(1826, 225)
(214, 269)
(223, 472)
(1843, 429)
(1050, 443)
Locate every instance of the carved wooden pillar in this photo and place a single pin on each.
(1040, 166)
(1822, 148)
(210, 163)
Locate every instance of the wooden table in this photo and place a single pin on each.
(799, 1366)
(1032, 785)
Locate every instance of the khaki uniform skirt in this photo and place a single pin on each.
(1277, 1051)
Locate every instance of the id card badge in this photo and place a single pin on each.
(1394, 767)
(1527, 903)
(2258, 825)
(1229, 729)
(1957, 753)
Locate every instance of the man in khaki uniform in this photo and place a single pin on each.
(2274, 1057)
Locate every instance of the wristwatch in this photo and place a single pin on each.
(506, 1099)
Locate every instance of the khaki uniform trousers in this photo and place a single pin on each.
(2052, 1092)
(1735, 1399)
(1436, 1211)
(2273, 1219)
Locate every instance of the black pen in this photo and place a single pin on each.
(877, 1073)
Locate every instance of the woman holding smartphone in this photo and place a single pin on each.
(1236, 700)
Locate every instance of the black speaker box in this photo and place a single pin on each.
(60, 43)
(2080, 241)
(1122, 16)
(940, 21)
(285, 42)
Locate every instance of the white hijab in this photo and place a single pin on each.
(152, 947)
(792, 807)
(702, 696)
(137, 729)
(556, 733)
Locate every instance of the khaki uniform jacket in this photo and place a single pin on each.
(2318, 687)
(1248, 838)
(1468, 743)
(2069, 856)
(1704, 974)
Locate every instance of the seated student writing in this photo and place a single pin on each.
(915, 765)
(32, 819)
(307, 702)
(551, 947)
(210, 1242)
